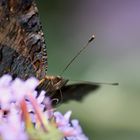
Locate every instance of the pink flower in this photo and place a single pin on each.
(71, 129)
(26, 114)
(11, 127)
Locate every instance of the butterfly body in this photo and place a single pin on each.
(23, 50)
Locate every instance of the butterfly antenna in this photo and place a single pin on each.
(81, 50)
(103, 83)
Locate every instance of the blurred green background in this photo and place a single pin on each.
(110, 113)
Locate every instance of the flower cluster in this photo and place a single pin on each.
(28, 115)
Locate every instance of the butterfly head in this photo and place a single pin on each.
(52, 83)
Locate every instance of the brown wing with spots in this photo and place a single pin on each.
(22, 46)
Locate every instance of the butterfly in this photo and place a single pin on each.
(23, 52)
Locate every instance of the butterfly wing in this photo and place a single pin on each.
(75, 92)
(22, 47)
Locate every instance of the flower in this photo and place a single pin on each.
(11, 127)
(26, 114)
(71, 128)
